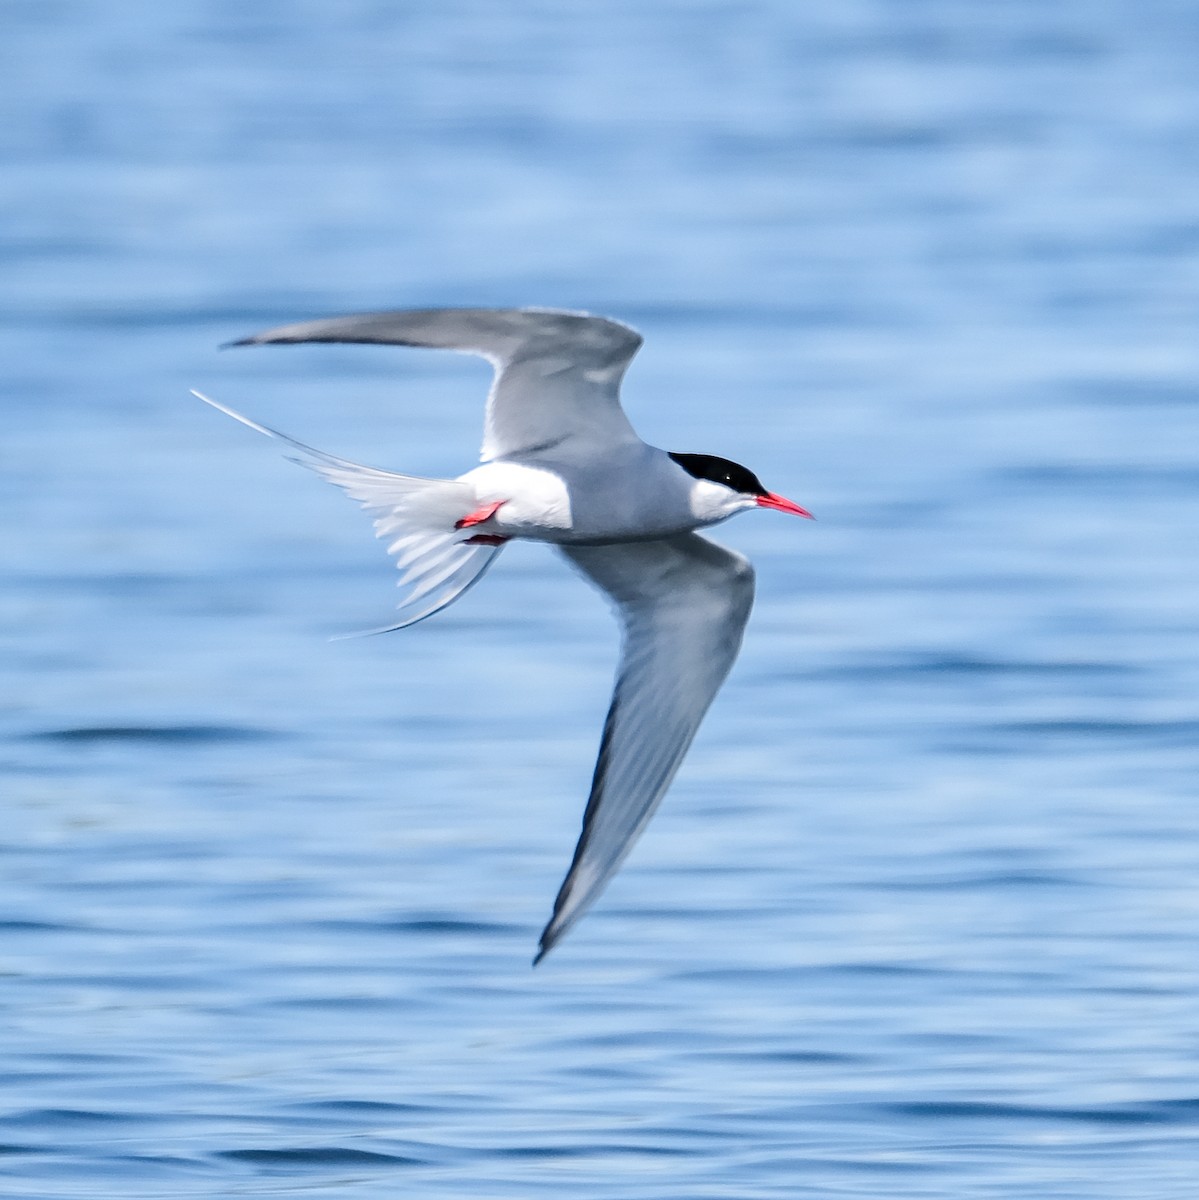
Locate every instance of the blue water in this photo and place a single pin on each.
(920, 917)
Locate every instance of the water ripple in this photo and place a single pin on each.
(317, 1156)
(166, 735)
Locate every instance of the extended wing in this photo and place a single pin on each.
(683, 603)
(557, 374)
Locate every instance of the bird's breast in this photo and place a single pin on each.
(588, 502)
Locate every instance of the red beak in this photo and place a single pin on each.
(774, 500)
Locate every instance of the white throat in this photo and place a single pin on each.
(712, 502)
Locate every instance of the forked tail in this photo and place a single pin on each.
(418, 518)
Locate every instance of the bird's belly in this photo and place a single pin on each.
(596, 507)
(622, 516)
(533, 503)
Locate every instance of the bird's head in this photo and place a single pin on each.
(723, 488)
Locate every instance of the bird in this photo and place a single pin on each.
(561, 464)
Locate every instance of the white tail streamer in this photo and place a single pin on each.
(438, 561)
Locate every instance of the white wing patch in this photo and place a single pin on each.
(416, 516)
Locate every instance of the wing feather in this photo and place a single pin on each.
(557, 373)
(683, 603)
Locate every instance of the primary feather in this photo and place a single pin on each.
(572, 362)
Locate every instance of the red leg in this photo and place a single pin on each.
(479, 515)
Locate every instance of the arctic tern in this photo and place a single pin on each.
(561, 464)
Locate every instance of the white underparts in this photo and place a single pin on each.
(533, 499)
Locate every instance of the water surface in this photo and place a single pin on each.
(919, 918)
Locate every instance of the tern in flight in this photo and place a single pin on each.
(561, 464)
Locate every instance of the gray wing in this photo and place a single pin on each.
(683, 603)
(557, 374)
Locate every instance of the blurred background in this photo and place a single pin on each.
(919, 917)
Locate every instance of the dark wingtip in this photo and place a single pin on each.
(246, 341)
(545, 943)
